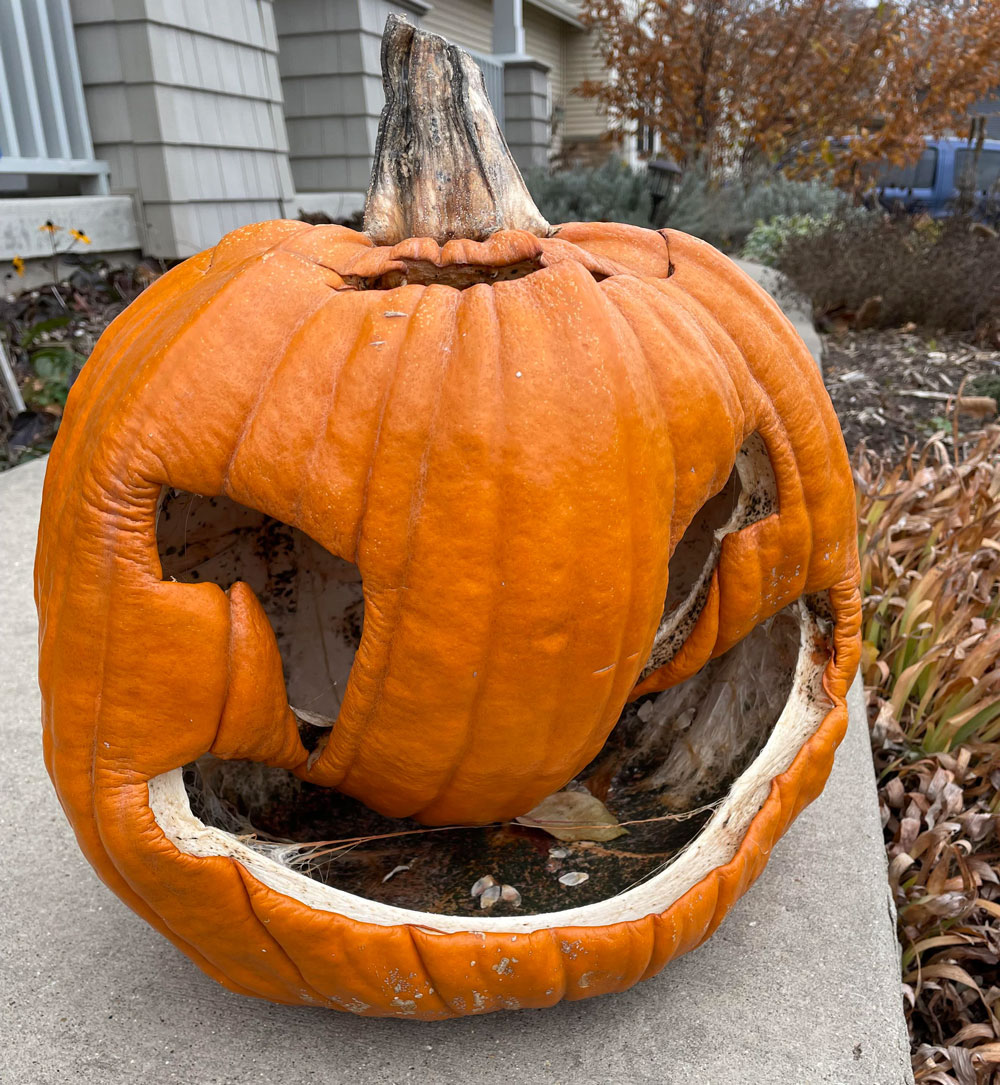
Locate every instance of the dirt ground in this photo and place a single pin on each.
(896, 388)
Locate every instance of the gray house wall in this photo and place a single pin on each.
(185, 103)
(330, 76)
(205, 125)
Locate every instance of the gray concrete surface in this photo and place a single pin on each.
(800, 985)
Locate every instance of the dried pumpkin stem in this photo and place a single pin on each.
(442, 167)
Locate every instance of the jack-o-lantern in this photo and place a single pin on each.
(430, 522)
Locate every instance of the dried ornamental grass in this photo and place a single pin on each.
(930, 541)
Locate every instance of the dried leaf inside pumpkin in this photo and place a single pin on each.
(573, 815)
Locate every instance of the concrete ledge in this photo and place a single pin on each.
(335, 204)
(109, 222)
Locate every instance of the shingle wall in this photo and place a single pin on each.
(184, 99)
(331, 77)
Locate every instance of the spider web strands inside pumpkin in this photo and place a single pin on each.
(350, 841)
(305, 857)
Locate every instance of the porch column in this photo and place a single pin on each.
(526, 99)
(508, 27)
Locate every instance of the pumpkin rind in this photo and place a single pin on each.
(510, 467)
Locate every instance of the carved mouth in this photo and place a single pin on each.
(684, 771)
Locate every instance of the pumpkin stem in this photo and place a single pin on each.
(442, 167)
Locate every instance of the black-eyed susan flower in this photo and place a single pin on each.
(18, 265)
(79, 235)
(49, 227)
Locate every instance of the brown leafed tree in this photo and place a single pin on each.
(803, 85)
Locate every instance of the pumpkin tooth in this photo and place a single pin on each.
(749, 495)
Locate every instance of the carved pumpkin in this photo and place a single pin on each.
(424, 519)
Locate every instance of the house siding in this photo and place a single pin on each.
(329, 63)
(468, 23)
(185, 102)
(583, 118)
(545, 40)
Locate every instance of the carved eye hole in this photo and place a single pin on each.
(750, 494)
(312, 599)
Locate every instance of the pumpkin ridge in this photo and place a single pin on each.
(473, 722)
(318, 434)
(779, 331)
(317, 995)
(350, 362)
(339, 756)
(631, 465)
(415, 504)
(702, 323)
(92, 385)
(265, 382)
(86, 428)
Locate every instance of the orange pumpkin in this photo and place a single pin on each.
(507, 450)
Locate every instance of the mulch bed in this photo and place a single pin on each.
(894, 389)
(79, 309)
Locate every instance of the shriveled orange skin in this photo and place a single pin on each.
(510, 466)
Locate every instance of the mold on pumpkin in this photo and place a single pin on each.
(348, 535)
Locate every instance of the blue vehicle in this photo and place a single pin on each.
(931, 184)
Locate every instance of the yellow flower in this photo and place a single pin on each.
(50, 227)
(79, 235)
(18, 266)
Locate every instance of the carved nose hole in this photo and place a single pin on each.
(749, 494)
(312, 598)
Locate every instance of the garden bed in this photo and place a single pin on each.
(48, 334)
(894, 389)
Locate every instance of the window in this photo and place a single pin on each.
(645, 140)
(919, 174)
(986, 167)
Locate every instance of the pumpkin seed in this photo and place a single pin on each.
(509, 895)
(489, 896)
(573, 877)
(483, 884)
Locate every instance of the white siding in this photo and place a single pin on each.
(468, 23)
(544, 39)
(584, 118)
